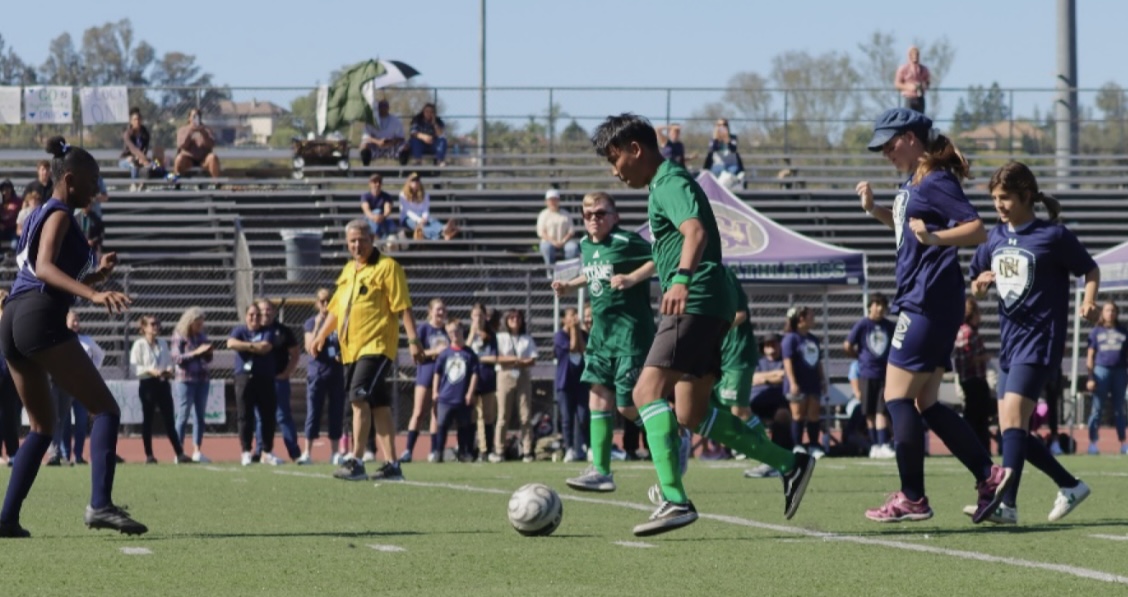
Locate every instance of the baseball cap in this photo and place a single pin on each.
(895, 121)
(552, 194)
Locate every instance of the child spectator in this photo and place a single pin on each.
(415, 213)
(454, 387)
(31, 201)
(377, 207)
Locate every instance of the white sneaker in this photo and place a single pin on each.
(816, 452)
(1004, 514)
(495, 458)
(873, 450)
(200, 458)
(304, 459)
(739, 456)
(528, 458)
(271, 459)
(570, 455)
(246, 459)
(368, 456)
(1068, 499)
(798, 449)
(432, 457)
(592, 480)
(764, 471)
(886, 452)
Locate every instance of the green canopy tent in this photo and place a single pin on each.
(345, 100)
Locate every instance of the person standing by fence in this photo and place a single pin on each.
(152, 363)
(325, 380)
(192, 354)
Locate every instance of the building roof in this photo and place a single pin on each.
(251, 108)
(1003, 130)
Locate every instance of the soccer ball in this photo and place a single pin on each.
(535, 510)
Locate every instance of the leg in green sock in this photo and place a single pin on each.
(601, 428)
(661, 426)
(749, 439)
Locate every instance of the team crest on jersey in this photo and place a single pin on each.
(455, 370)
(877, 341)
(598, 275)
(811, 353)
(900, 205)
(1014, 275)
(903, 323)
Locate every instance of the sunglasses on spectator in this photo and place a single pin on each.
(596, 215)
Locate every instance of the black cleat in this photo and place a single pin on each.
(388, 472)
(114, 518)
(13, 531)
(351, 470)
(668, 517)
(795, 483)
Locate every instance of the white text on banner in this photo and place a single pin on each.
(104, 105)
(48, 105)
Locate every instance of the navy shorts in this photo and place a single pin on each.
(1025, 380)
(922, 345)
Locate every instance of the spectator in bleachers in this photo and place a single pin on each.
(723, 159)
(913, 80)
(152, 364)
(569, 345)
(384, 138)
(427, 136)
(10, 407)
(284, 350)
(195, 147)
(377, 207)
(517, 353)
(135, 140)
(10, 205)
(483, 341)
(31, 201)
(192, 354)
(42, 183)
(325, 382)
(670, 145)
(415, 213)
(433, 338)
(556, 229)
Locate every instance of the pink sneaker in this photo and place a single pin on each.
(991, 492)
(899, 508)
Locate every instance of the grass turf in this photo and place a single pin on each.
(229, 530)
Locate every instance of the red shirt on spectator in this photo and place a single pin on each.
(969, 346)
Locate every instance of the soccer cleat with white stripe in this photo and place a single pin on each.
(668, 517)
(592, 480)
(1004, 514)
(1068, 499)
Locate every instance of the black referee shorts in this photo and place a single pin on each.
(364, 380)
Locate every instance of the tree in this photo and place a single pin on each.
(982, 106)
(64, 64)
(878, 66)
(13, 70)
(1112, 101)
(818, 91)
(574, 136)
(750, 104)
(111, 58)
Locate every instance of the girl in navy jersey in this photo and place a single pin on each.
(433, 336)
(1029, 260)
(1108, 373)
(803, 380)
(56, 266)
(930, 219)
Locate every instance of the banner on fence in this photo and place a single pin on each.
(10, 105)
(48, 105)
(125, 392)
(104, 105)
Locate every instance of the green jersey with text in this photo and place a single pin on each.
(622, 320)
(739, 350)
(674, 198)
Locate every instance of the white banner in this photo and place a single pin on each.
(322, 108)
(125, 392)
(10, 105)
(48, 105)
(104, 105)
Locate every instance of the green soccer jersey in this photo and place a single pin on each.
(739, 350)
(674, 198)
(622, 320)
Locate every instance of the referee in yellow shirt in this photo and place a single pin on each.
(371, 295)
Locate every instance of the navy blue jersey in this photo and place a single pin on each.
(429, 337)
(259, 365)
(75, 258)
(804, 352)
(872, 341)
(1032, 266)
(1110, 346)
(569, 365)
(487, 375)
(330, 355)
(455, 367)
(767, 365)
(928, 277)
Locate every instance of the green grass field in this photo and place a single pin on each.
(226, 530)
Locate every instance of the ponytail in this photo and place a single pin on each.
(940, 153)
(794, 316)
(1053, 206)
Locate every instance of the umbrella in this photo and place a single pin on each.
(345, 100)
(395, 72)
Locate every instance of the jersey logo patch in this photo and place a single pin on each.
(877, 341)
(455, 370)
(811, 354)
(1014, 275)
(595, 255)
(900, 205)
(903, 323)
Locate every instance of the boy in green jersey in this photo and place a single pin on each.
(697, 309)
(616, 269)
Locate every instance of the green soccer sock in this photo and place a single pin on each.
(662, 434)
(749, 438)
(602, 422)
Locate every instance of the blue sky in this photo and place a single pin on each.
(652, 43)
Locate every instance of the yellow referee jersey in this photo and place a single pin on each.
(367, 304)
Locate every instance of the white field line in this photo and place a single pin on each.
(779, 528)
(387, 548)
(634, 544)
(136, 551)
(1110, 537)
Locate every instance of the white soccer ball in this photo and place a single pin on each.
(535, 510)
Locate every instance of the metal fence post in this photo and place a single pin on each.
(551, 123)
(786, 117)
(1010, 122)
(125, 325)
(669, 99)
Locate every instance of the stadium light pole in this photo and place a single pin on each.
(1065, 109)
(481, 93)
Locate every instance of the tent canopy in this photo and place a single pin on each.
(1114, 269)
(763, 252)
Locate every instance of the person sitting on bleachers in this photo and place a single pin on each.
(195, 145)
(556, 229)
(377, 207)
(427, 136)
(384, 139)
(724, 159)
(32, 199)
(42, 183)
(10, 205)
(135, 138)
(670, 145)
(415, 213)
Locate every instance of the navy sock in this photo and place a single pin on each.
(1040, 457)
(781, 436)
(908, 428)
(872, 435)
(813, 429)
(954, 431)
(437, 442)
(412, 436)
(883, 436)
(24, 469)
(103, 461)
(797, 432)
(1014, 457)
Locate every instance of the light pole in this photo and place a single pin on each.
(482, 138)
